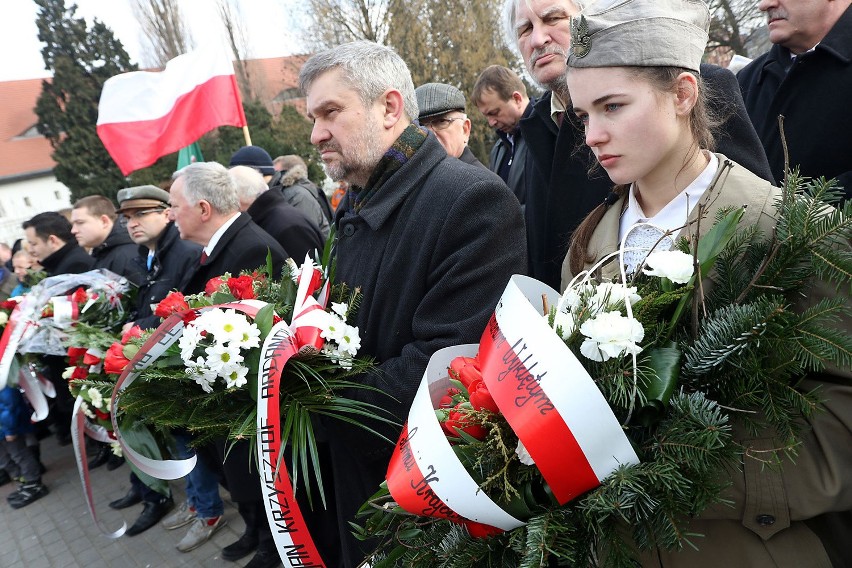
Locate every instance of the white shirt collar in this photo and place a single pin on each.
(214, 240)
(675, 214)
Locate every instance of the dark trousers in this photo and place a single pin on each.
(18, 459)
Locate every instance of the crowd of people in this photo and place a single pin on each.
(632, 129)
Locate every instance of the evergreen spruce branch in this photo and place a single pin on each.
(729, 331)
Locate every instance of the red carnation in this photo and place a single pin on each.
(214, 285)
(242, 287)
(101, 414)
(79, 296)
(9, 305)
(171, 304)
(115, 361)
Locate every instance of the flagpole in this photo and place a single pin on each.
(247, 135)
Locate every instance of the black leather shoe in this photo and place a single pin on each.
(243, 547)
(128, 500)
(265, 559)
(100, 457)
(150, 516)
(114, 462)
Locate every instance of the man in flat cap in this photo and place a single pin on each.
(164, 259)
(442, 111)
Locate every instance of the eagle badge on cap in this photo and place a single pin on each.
(581, 41)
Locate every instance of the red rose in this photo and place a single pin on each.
(115, 361)
(316, 280)
(466, 370)
(214, 285)
(171, 304)
(481, 399)
(79, 296)
(89, 359)
(9, 305)
(134, 331)
(242, 288)
(75, 354)
(101, 414)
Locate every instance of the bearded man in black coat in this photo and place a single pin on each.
(430, 241)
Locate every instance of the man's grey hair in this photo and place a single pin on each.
(211, 182)
(248, 182)
(369, 68)
(510, 12)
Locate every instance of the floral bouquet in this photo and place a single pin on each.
(6, 309)
(588, 427)
(253, 358)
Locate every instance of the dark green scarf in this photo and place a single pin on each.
(399, 153)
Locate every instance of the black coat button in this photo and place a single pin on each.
(348, 230)
(765, 520)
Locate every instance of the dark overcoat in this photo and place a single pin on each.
(813, 96)
(297, 234)
(173, 259)
(70, 259)
(243, 247)
(561, 192)
(432, 252)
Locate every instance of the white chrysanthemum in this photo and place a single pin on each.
(96, 397)
(610, 334)
(229, 326)
(350, 342)
(608, 295)
(66, 374)
(4, 318)
(565, 323)
(116, 449)
(340, 309)
(338, 357)
(201, 374)
(334, 330)
(188, 342)
(523, 454)
(210, 320)
(235, 376)
(87, 411)
(675, 265)
(248, 338)
(220, 355)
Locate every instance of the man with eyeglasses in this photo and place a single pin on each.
(163, 258)
(442, 111)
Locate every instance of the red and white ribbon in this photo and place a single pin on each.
(79, 424)
(544, 393)
(13, 333)
(35, 388)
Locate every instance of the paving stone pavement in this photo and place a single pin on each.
(57, 531)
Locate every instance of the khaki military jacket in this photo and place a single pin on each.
(775, 511)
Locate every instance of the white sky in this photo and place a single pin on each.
(271, 25)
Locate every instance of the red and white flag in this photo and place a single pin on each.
(143, 115)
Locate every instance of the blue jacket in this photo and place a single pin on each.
(14, 413)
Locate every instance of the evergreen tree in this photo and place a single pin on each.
(81, 59)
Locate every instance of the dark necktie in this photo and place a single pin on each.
(203, 257)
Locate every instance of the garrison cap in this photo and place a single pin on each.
(142, 197)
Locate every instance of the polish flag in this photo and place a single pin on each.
(143, 115)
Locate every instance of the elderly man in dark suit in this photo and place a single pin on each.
(206, 210)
